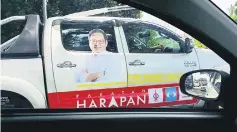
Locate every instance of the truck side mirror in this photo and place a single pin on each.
(191, 45)
(188, 45)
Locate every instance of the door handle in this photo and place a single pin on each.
(136, 63)
(66, 64)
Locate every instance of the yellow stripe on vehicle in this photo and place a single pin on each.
(138, 79)
(153, 78)
(109, 84)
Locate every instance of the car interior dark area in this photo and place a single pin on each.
(118, 119)
(199, 18)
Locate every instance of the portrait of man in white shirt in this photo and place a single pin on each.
(101, 65)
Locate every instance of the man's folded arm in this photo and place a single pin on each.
(93, 76)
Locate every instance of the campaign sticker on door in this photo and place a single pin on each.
(100, 67)
(155, 95)
(171, 94)
(184, 96)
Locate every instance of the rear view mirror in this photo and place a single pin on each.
(202, 84)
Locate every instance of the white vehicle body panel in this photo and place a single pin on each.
(225, 68)
(209, 59)
(47, 56)
(25, 77)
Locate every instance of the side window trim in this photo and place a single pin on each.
(119, 40)
(123, 40)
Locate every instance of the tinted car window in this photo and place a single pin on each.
(75, 35)
(147, 38)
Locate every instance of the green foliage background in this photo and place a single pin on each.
(155, 39)
(199, 44)
(54, 8)
(64, 7)
(233, 15)
(233, 11)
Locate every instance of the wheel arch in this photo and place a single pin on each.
(11, 99)
(25, 89)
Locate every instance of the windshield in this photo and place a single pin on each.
(227, 6)
(100, 54)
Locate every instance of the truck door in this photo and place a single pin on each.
(156, 60)
(88, 62)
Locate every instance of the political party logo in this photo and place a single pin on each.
(155, 95)
(171, 94)
(183, 96)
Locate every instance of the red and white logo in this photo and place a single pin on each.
(155, 95)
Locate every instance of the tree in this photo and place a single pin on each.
(54, 8)
(233, 11)
(233, 15)
(17, 7)
(199, 44)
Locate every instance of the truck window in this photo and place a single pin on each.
(75, 35)
(146, 38)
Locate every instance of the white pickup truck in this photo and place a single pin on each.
(46, 65)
